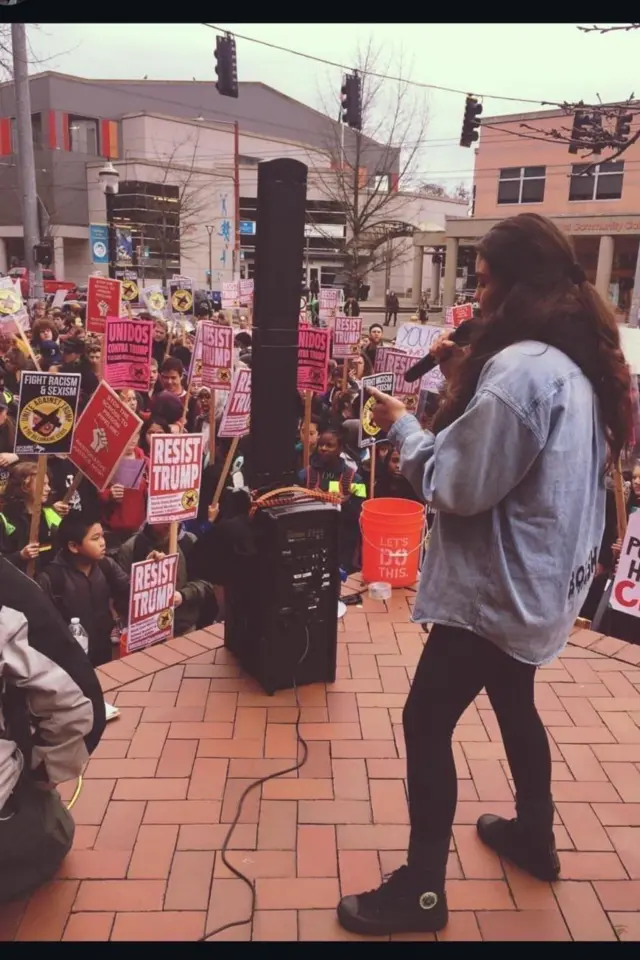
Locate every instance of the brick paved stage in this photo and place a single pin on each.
(162, 788)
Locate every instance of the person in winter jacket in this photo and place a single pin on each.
(193, 598)
(15, 520)
(83, 582)
(44, 340)
(52, 716)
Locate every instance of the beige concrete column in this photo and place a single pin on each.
(58, 258)
(4, 266)
(449, 292)
(416, 282)
(605, 266)
(634, 313)
(436, 269)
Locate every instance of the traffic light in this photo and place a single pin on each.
(351, 97)
(581, 124)
(623, 127)
(470, 123)
(227, 66)
(43, 253)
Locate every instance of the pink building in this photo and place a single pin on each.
(514, 174)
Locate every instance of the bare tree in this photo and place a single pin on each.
(432, 189)
(363, 171)
(171, 226)
(618, 26)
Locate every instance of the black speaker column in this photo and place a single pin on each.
(282, 194)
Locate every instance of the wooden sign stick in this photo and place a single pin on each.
(372, 478)
(306, 429)
(212, 427)
(34, 528)
(345, 374)
(225, 471)
(621, 505)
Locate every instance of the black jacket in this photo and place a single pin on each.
(61, 475)
(88, 598)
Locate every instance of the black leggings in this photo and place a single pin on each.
(454, 667)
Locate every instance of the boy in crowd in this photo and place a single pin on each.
(84, 583)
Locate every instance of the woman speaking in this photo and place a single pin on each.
(534, 411)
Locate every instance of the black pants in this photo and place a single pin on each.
(36, 833)
(454, 667)
(391, 315)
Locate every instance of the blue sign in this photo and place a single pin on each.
(124, 245)
(99, 242)
(247, 228)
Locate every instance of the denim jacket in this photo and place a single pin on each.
(518, 485)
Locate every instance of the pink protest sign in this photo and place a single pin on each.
(313, 358)
(215, 346)
(346, 337)
(237, 412)
(397, 362)
(127, 355)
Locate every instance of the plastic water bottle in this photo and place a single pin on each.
(79, 633)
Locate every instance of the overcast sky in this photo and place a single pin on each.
(533, 61)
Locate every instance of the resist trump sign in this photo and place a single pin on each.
(175, 472)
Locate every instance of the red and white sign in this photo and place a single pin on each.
(328, 304)
(246, 292)
(237, 412)
(346, 337)
(127, 353)
(625, 595)
(104, 299)
(231, 294)
(215, 353)
(151, 614)
(175, 472)
(104, 428)
(397, 362)
(455, 315)
(313, 358)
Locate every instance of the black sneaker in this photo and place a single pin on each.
(406, 902)
(510, 840)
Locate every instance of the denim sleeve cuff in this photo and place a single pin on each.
(403, 428)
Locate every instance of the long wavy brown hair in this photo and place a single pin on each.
(538, 292)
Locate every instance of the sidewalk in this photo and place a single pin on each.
(164, 783)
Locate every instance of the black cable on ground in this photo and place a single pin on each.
(252, 786)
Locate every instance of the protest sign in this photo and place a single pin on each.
(151, 614)
(237, 412)
(455, 315)
(313, 358)
(181, 296)
(13, 314)
(397, 362)
(630, 343)
(246, 293)
(104, 428)
(369, 432)
(625, 595)
(154, 300)
(130, 287)
(59, 298)
(127, 355)
(175, 471)
(103, 300)
(417, 336)
(231, 294)
(215, 344)
(328, 304)
(46, 412)
(346, 337)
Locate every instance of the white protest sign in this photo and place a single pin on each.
(630, 343)
(151, 615)
(175, 472)
(237, 412)
(625, 595)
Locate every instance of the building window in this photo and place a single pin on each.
(83, 135)
(36, 129)
(602, 182)
(381, 183)
(521, 185)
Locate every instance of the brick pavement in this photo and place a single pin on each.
(162, 788)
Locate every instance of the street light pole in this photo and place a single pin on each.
(109, 179)
(210, 230)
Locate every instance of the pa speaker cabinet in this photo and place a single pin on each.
(281, 618)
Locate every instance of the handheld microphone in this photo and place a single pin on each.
(461, 336)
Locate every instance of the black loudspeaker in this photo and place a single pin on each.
(282, 194)
(281, 604)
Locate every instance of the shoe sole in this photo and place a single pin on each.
(364, 929)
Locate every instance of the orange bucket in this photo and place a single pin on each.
(392, 534)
